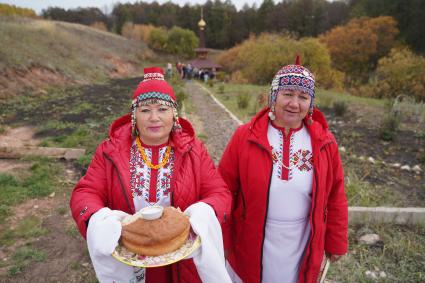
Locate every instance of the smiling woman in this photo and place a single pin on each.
(154, 123)
(152, 158)
(285, 172)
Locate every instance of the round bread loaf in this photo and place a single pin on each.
(156, 237)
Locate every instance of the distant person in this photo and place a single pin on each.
(184, 71)
(169, 71)
(179, 68)
(152, 157)
(206, 76)
(284, 169)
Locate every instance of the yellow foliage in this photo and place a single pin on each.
(259, 58)
(99, 25)
(400, 73)
(12, 10)
(137, 31)
(356, 47)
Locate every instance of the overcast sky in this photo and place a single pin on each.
(39, 5)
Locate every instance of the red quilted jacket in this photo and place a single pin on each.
(107, 183)
(246, 166)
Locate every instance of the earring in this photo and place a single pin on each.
(310, 117)
(176, 124)
(271, 113)
(134, 131)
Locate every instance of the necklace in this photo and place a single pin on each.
(276, 158)
(147, 161)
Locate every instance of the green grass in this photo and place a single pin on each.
(361, 192)
(23, 257)
(27, 228)
(39, 183)
(228, 94)
(402, 256)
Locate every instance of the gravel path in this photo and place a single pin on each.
(216, 124)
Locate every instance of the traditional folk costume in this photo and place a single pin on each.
(290, 204)
(126, 175)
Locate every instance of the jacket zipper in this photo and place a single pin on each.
(119, 178)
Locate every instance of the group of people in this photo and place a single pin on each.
(276, 200)
(185, 71)
(189, 72)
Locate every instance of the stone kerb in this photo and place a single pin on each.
(395, 215)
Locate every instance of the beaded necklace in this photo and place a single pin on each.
(147, 161)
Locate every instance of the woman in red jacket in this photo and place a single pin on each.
(285, 173)
(152, 157)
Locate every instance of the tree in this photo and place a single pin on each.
(356, 47)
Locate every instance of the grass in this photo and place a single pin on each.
(74, 51)
(361, 192)
(23, 257)
(229, 95)
(27, 228)
(402, 256)
(39, 183)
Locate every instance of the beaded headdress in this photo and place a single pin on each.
(292, 77)
(153, 89)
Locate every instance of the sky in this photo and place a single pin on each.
(104, 5)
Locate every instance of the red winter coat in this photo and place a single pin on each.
(107, 183)
(246, 166)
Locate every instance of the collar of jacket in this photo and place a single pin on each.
(318, 130)
(120, 135)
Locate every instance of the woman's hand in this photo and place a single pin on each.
(333, 258)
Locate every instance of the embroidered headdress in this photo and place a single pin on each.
(292, 77)
(153, 89)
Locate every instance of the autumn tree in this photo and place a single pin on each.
(257, 59)
(12, 10)
(356, 47)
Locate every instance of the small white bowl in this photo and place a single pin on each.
(152, 212)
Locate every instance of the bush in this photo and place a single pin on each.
(221, 88)
(137, 32)
(243, 100)
(400, 73)
(158, 39)
(181, 97)
(12, 10)
(340, 108)
(258, 59)
(181, 42)
(176, 41)
(391, 122)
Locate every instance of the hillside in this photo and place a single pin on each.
(35, 54)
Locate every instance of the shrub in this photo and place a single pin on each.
(257, 59)
(137, 31)
(158, 39)
(400, 73)
(221, 88)
(181, 42)
(12, 10)
(243, 100)
(340, 108)
(391, 122)
(176, 41)
(99, 25)
(181, 97)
